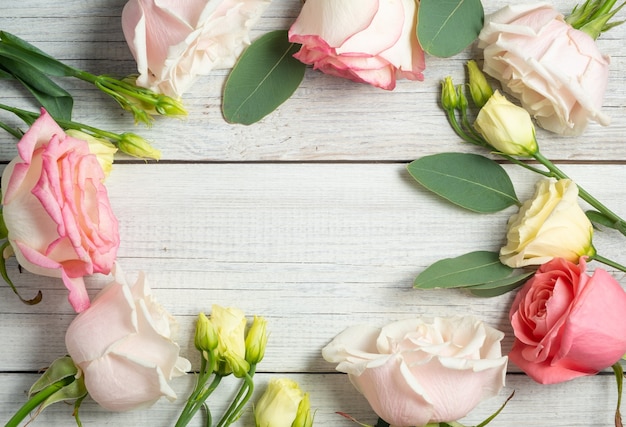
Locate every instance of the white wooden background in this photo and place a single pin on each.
(308, 218)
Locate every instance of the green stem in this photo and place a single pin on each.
(10, 130)
(63, 123)
(605, 8)
(609, 262)
(236, 407)
(460, 132)
(37, 400)
(583, 194)
(200, 393)
(619, 378)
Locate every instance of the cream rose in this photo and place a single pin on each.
(556, 72)
(367, 41)
(414, 372)
(174, 42)
(549, 225)
(57, 210)
(124, 346)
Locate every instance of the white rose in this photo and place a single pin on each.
(174, 42)
(414, 372)
(123, 345)
(556, 72)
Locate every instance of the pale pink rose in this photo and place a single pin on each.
(124, 346)
(414, 372)
(175, 41)
(56, 209)
(556, 72)
(367, 41)
(568, 324)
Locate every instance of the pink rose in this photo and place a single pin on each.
(175, 41)
(367, 41)
(124, 346)
(568, 324)
(414, 372)
(56, 209)
(556, 72)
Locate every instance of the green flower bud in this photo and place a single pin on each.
(478, 86)
(205, 338)
(134, 145)
(256, 340)
(236, 364)
(449, 98)
(304, 418)
(507, 127)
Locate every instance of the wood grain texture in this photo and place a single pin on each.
(308, 218)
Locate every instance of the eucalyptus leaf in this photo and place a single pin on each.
(499, 287)
(446, 27)
(471, 269)
(468, 180)
(56, 100)
(264, 77)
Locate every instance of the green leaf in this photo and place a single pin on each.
(14, 47)
(471, 269)
(499, 287)
(446, 27)
(469, 180)
(56, 100)
(264, 77)
(597, 218)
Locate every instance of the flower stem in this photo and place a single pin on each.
(236, 407)
(619, 378)
(16, 133)
(37, 400)
(609, 262)
(583, 194)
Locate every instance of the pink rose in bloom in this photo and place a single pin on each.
(556, 72)
(367, 41)
(414, 372)
(56, 209)
(175, 41)
(568, 324)
(123, 344)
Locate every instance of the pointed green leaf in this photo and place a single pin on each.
(446, 27)
(264, 77)
(597, 218)
(61, 368)
(469, 180)
(14, 47)
(474, 268)
(499, 287)
(56, 100)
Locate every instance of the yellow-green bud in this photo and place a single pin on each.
(256, 340)
(206, 334)
(449, 98)
(169, 106)
(480, 90)
(462, 104)
(237, 365)
(507, 127)
(304, 418)
(134, 145)
(279, 404)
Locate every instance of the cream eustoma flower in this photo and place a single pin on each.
(283, 404)
(549, 225)
(506, 127)
(103, 149)
(231, 349)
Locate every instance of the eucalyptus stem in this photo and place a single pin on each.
(37, 400)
